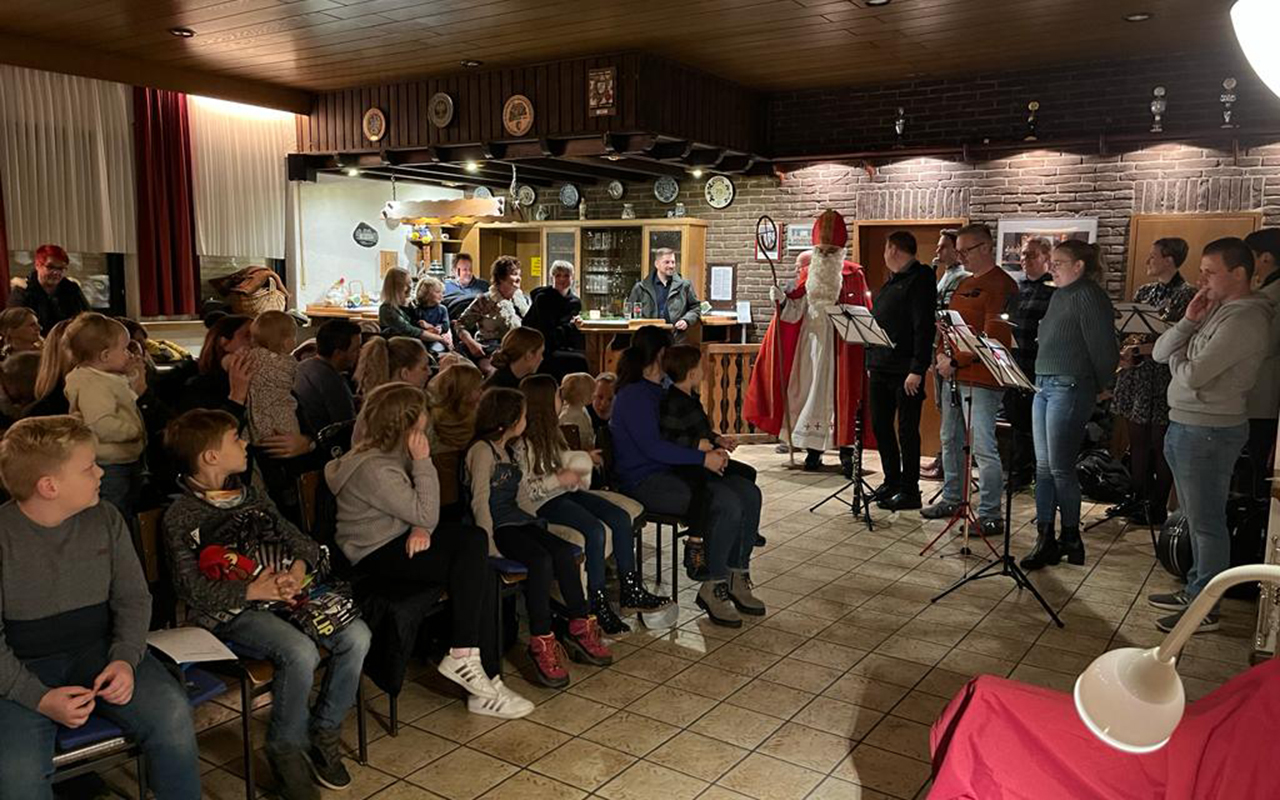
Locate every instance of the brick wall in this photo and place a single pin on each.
(1078, 101)
(1161, 179)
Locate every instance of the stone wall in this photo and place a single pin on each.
(1162, 179)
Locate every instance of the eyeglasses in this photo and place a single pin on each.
(965, 251)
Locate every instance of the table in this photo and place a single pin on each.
(606, 339)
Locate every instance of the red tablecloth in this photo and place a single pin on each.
(1000, 740)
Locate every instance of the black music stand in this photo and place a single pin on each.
(999, 362)
(856, 325)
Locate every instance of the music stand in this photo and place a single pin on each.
(997, 359)
(856, 325)
(1134, 319)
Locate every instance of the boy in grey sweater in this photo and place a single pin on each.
(238, 564)
(1213, 354)
(74, 612)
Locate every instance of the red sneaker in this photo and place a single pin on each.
(548, 659)
(584, 643)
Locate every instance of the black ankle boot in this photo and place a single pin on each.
(813, 461)
(1072, 546)
(632, 596)
(609, 622)
(695, 560)
(1045, 553)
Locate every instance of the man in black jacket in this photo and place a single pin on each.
(904, 307)
(47, 290)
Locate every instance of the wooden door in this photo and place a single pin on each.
(1197, 229)
(870, 239)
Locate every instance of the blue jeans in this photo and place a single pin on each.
(121, 485)
(1059, 412)
(734, 515)
(986, 455)
(158, 716)
(589, 515)
(1202, 459)
(296, 658)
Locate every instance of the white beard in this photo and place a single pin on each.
(826, 279)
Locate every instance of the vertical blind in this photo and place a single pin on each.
(238, 155)
(66, 161)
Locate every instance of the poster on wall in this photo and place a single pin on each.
(798, 236)
(602, 84)
(768, 241)
(1014, 233)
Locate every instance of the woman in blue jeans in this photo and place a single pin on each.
(643, 462)
(1076, 360)
(555, 491)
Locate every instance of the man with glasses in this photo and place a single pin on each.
(952, 273)
(981, 300)
(1025, 313)
(47, 290)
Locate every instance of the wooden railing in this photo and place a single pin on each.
(726, 371)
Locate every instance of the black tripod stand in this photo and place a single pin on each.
(1004, 564)
(862, 492)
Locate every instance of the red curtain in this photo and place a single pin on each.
(4, 253)
(167, 263)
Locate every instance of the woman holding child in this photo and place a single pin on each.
(646, 465)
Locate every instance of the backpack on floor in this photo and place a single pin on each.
(1102, 478)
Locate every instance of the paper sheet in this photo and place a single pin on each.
(190, 645)
(721, 283)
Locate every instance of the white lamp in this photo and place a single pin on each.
(1132, 698)
(1257, 24)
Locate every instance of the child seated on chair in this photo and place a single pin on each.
(682, 420)
(493, 475)
(549, 491)
(431, 315)
(76, 612)
(388, 496)
(247, 574)
(272, 407)
(576, 391)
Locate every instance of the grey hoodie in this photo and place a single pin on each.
(380, 496)
(1215, 363)
(1264, 400)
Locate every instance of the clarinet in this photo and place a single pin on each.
(951, 356)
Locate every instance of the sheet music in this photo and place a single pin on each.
(856, 325)
(1140, 318)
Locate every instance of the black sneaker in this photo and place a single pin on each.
(325, 759)
(1207, 625)
(813, 461)
(902, 501)
(940, 510)
(1175, 601)
(993, 526)
(293, 775)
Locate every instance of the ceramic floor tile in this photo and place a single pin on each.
(737, 726)
(735, 658)
(646, 781)
(709, 681)
(836, 789)
(570, 713)
(770, 698)
(672, 706)
(828, 654)
(883, 771)
(403, 790)
(802, 675)
(631, 733)
(807, 747)
(519, 741)
(463, 774)
(532, 786)
(612, 688)
(901, 736)
(406, 753)
(457, 724)
(867, 692)
(652, 665)
(697, 755)
(766, 778)
(583, 764)
(837, 717)
(920, 707)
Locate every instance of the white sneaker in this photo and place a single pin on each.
(469, 674)
(507, 705)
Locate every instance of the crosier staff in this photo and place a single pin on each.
(765, 227)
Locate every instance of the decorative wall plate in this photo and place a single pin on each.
(616, 189)
(719, 191)
(483, 192)
(440, 109)
(569, 196)
(525, 195)
(374, 124)
(666, 189)
(517, 115)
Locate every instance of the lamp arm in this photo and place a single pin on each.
(1208, 597)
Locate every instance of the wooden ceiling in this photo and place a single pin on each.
(278, 50)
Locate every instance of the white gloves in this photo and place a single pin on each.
(776, 295)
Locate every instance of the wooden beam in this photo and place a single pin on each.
(23, 51)
(638, 168)
(670, 151)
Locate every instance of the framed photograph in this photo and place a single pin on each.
(798, 236)
(768, 241)
(1012, 234)
(602, 86)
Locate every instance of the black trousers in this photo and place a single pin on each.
(1262, 443)
(1150, 473)
(900, 448)
(700, 496)
(547, 556)
(458, 560)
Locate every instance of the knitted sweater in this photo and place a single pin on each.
(1077, 335)
(107, 404)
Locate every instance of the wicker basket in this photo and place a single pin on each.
(271, 296)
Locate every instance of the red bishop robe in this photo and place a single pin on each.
(763, 404)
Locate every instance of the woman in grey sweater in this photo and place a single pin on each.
(1076, 360)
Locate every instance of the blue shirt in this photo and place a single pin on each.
(660, 292)
(436, 315)
(638, 448)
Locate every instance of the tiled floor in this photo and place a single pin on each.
(829, 696)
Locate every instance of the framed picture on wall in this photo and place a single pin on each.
(1012, 234)
(798, 236)
(768, 241)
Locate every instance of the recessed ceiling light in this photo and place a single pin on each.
(1140, 16)
(470, 63)
(182, 33)
(471, 166)
(352, 172)
(697, 173)
(874, 3)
